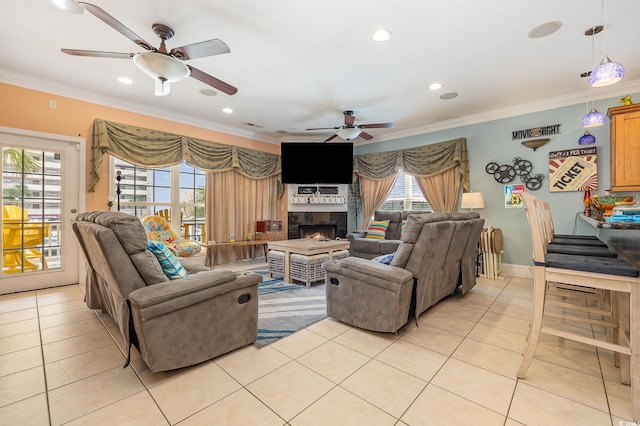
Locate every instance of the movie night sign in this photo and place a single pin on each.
(536, 132)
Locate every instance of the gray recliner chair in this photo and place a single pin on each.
(175, 323)
(438, 253)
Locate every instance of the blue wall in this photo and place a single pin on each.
(491, 142)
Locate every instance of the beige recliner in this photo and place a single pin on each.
(175, 323)
(438, 253)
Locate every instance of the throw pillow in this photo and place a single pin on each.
(377, 229)
(385, 258)
(404, 225)
(168, 261)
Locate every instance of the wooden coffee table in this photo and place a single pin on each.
(307, 246)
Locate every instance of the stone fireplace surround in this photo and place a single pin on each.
(322, 219)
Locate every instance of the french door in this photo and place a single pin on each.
(42, 181)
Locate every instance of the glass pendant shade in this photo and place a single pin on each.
(593, 119)
(587, 139)
(607, 73)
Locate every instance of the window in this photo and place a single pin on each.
(179, 188)
(406, 195)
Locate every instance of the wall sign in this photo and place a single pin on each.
(513, 196)
(573, 170)
(536, 132)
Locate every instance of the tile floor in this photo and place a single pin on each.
(60, 364)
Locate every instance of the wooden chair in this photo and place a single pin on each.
(589, 273)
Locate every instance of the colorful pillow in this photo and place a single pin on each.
(404, 225)
(377, 229)
(168, 261)
(385, 258)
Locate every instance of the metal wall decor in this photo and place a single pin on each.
(506, 173)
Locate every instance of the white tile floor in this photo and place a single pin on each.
(60, 364)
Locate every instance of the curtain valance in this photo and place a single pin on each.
(421, 161)
(154, 148)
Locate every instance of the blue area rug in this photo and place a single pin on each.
(286, 308)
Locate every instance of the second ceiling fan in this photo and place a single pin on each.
(349, 131)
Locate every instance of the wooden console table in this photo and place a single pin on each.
(210, 257)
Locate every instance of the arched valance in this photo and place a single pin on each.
(421, 161)
(154, 148)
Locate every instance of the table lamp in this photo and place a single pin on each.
(472, 200)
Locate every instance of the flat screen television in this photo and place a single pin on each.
(317, 162)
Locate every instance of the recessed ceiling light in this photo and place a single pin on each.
(381, 35)
(545, 29)
(447, 96)
(208, 92)
(70, 6)
(227, 110)
(125, 80)
(435, 86)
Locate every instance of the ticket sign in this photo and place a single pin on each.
(573, 170)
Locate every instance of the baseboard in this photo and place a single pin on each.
(520, 271)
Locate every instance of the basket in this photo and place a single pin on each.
(275, 259)
(271, 236)
(307, 268)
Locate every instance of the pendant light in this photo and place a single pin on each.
(593, 117)
(608, 72)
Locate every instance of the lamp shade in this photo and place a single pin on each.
(593, 119)
(607, 73)
(159, 65)
(472, 200)
(348, 133)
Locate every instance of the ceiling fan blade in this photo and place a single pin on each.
(98, 53)
(324, 128)
(376, 126)
(201, 49)
(115, 24)
(212, 81)
(331, 138)
(365, 135)
(349, 119)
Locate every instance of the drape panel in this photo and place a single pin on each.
(374, 192)
(234, 202)
(153, 148)
(441, 190)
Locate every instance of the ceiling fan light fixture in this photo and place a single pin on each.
(593, 119)
(607, 73)
(348, 133)
(159, 65)
(70, 6)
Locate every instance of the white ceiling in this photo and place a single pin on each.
(299, 63)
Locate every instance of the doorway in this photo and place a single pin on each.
(42, 177)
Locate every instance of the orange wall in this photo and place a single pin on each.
(29, 110)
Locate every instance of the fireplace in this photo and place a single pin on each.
(303, 223)
(317, 231)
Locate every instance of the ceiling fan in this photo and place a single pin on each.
(349, 131)
(163, 66)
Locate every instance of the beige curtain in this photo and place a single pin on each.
(154, 148)
(374, 192)
(442, 190)
(234, 202)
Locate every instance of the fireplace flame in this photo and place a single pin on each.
(315, 235)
